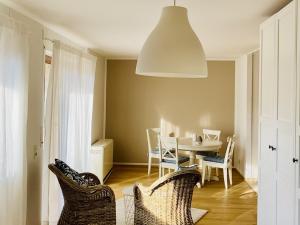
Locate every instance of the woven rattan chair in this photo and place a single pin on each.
(167, 201)
(94, 204)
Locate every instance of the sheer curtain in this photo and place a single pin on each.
(68, 119)
(13, 123)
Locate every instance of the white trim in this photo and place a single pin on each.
(208, 58)
(133, 164)
(255, 50)
(221, 58)
(249, 97)
(297, 214)
(119, 57)
(104, 102)
(253, 183)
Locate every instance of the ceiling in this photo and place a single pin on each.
(118, 28)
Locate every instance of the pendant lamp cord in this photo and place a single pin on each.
(174, 2)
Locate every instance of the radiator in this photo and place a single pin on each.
(101, 159)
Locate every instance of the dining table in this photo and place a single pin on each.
(187, 144)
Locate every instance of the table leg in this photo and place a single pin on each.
(192, 157)
(214, 178)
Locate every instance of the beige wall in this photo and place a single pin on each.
(135, 103)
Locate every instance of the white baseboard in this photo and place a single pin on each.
(133, 164)
(252, 182)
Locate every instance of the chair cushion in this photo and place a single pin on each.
(181, 159)
(69, 172)
(155, 151)
(217, 159)
(207, 153)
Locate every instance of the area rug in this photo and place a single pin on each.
(197, 214)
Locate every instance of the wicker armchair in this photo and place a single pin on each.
(167, 201)
(85, 205)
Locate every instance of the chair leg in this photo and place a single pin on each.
(217, 169)
(160, 171)
(169, 170)
(149, 165)
(203, 173)
(199, 184)
(225, 177)
(230, 175)
(200, 163)
(163, 171)
(209, 173)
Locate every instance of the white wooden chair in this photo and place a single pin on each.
(168, 155)
(153, 148)
(224, 163)
(211, 135)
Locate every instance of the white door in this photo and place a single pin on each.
(286, 116)
(297, 153)
(267, 175)
(268, 131)
(277, 119)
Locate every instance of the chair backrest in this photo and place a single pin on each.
(153, 138)
(168, 199)
(168, 149)
(66, 183)
(211, 135)
(230, 149)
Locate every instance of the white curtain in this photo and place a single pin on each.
(13, 123)
(68, 119)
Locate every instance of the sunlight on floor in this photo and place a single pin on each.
(235, 206)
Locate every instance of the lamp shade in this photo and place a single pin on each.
(172, 49)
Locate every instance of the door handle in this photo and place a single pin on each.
(272, 148)
(295, 160)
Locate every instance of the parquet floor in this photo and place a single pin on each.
(235, 206)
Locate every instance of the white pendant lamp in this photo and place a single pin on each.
(172, 49)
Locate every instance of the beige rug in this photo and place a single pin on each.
(197, 214)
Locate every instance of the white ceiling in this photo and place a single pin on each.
(118, 28)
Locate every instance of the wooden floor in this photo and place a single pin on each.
(235, 206)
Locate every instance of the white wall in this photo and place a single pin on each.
(255, 114)
(246, 94)
(98, 126)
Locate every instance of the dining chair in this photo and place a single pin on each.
(168, 155)
(217, 161)
(153, 151)
(209, 135)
